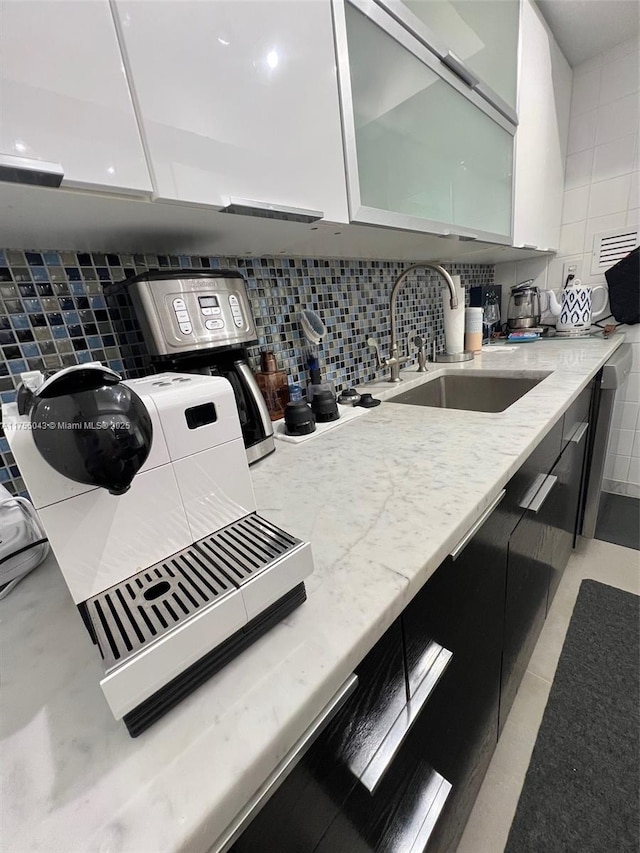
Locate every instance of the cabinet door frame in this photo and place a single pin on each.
(376, 216)
(434, 42)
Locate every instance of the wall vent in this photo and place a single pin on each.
(609, 247)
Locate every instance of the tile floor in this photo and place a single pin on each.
(490, 820)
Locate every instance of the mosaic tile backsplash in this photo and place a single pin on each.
(53, 313)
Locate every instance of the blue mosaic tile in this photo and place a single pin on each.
(352, 297)
(40, 273)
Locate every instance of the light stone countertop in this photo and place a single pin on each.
(382, 499)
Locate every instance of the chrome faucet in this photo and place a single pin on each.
(395, 360)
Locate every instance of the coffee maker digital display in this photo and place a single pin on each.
(200, 321)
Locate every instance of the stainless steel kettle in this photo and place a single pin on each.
(524, 306)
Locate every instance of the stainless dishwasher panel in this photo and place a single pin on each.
(614, 375)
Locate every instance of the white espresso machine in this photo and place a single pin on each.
(143, 489)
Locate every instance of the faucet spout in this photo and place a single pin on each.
(394, 361)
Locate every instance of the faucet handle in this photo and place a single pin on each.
(421, 344)
(373, 344)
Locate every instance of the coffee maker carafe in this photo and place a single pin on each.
(200, 321)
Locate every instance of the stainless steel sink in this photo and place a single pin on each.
(474, 393)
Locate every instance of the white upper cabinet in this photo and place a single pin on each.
(424, 151)
(238, 100)
(544, 100)
(64, 96)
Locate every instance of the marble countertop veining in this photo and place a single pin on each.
(382, 500)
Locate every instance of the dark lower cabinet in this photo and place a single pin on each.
(530, 550)
(399, 817)
(540, 546)
(461, 607)
(303, 808)
(398, 768)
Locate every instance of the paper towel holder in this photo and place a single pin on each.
(450, 358)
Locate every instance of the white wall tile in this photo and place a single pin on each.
(633, 217)
(620, 470)
(613, 158)
(610, 196)
(555, 269)
(577, 171)
(635, 450)
(597, 225)
(619, 78)
(575, 204)
(582, 131)
(572, 238)
(535, 268)
(632, 388)
(622, 49)
(633, 474)
(629, 415)
(588, 66)
(634, 190)
(585, 92)
(624, 441)
(617, 119)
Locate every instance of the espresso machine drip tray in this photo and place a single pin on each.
(137, 612)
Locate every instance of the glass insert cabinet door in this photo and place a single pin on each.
(482, 34)
(424, 151)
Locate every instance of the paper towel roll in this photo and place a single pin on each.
(454, 319)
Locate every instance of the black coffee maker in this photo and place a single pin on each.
(200, 321)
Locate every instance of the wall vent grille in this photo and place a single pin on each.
(609, 247)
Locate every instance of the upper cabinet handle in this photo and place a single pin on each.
(26, 170)
(248, 207)
(458, 67)
(471, 532)
(580, 431)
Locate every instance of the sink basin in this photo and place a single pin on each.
(471, 392)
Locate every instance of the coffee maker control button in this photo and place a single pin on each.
(214, 324)
(182, 316)
(238, 321)
(216, 311)
(185, 328)
(233, 301)
(207, 312)
(178, 305)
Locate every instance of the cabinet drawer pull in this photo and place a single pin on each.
(539, 492)
(284, 768)
(382, 758)
(436, 795)
(468, 536)
(580, 431)
(26, 170)
(458, 67)
(264, 210)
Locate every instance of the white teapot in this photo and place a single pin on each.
(575, 310)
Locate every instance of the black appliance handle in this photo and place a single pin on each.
(263, 413)
(78, 377)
